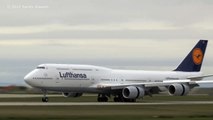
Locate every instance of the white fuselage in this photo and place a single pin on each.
(88, 78)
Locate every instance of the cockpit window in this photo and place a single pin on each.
(40, 67)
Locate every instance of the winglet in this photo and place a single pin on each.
(193, 61)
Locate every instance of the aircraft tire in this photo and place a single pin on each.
(116, 99)
(102, 99)
(45, 99)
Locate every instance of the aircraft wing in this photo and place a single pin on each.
(155, 84)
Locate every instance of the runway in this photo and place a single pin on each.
(102, 103)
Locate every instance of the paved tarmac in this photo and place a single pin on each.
(101, 103)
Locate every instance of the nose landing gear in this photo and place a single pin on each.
(45, 98)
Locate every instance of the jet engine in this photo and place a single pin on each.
(132, 92)
(71, 94)
(179, 89)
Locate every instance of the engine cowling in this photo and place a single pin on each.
(179, 89)
(132, 92)
(72, 94)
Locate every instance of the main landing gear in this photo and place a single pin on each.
(102, 98)
(45, 98)
(118, 98)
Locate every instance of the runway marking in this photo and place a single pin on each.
(101, 103)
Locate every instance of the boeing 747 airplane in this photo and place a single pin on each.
(125, 85)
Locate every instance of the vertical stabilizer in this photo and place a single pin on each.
(193, 61)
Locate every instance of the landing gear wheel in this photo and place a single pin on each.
(117, 99)
(45, 99)
(99, 99)
(129, 100)
(105, 99)
(102, 98)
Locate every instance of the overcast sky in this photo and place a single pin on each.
(127, 34)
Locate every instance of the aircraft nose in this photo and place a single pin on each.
(27, 78)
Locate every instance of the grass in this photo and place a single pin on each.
(110, 112)
(111, 118)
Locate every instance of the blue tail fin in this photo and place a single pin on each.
(193, 61)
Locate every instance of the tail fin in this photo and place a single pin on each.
(193, 61)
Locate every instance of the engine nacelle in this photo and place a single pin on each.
(179, 89)
(72, 94)
(132, 92)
